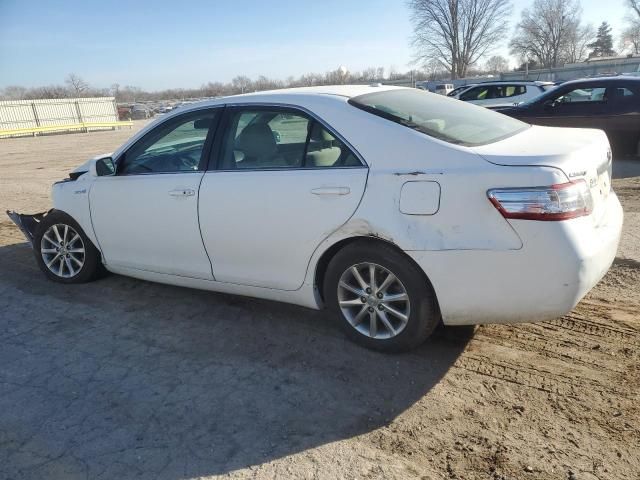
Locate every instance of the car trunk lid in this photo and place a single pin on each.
(582, 154)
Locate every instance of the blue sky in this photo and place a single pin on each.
(162, 44)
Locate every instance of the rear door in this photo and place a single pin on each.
(279, 183)
(504, 95)
(623, 122)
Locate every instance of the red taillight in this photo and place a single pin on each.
(555, 202)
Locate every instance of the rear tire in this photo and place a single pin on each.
(64, 252)
(394, 311)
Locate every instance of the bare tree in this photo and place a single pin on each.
(550, 32)
(434, 70)
(76, 84)
(369, 75)
(457, 33)
(577, 45)
(497, 64)
(241, 83)
(630, 37)
(50, 91)
(13, 92)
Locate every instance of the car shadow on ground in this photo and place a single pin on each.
(122, 378)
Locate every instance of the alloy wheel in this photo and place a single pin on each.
(373, 300)
(62, 250)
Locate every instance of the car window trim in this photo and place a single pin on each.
(215, 157)
(571, 88)
(218, 109)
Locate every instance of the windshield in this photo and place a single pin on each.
(548, 92)
(440, 117)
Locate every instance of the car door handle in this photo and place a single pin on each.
(331, 191)
(182, 192)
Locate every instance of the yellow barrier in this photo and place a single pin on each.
(61, 128)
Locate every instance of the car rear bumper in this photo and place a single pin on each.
(559, 263)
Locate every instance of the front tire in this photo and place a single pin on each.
(63, 251)
(383, 300)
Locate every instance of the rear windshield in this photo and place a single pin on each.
(440, 117)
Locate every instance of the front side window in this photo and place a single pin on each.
(277, 139)
(440, 117)
(173, 146)
(583, 95)
(477, 93)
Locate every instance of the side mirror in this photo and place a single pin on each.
(103, 167)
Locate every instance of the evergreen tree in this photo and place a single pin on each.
(603, 46)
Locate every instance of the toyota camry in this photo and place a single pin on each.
(393, 208)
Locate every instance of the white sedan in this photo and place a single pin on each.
(394, 208)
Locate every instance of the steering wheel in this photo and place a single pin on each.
(184, 161)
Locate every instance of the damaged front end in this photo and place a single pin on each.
(28, 224)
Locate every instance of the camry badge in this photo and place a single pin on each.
(577, 174)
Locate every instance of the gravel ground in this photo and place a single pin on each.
(122, 378)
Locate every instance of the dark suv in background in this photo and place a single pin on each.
(611, 104)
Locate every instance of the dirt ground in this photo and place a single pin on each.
(122, 378)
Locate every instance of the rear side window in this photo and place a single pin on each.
(623, 92)
(512, 90)
(277, 139)
(439, 116)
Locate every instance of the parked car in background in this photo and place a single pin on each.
(500, 94)
(611, 104)
(443, 88)
(140, 112)
(458, 90)
(124, 112)
(394, 208)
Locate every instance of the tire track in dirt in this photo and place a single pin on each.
(538, 379)
(576, 350)
(575, 323)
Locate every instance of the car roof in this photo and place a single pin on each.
(514, 82)
(298, 95)
(348, 91)
(612, 79)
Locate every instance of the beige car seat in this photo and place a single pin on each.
(256, 147)
(321, 151)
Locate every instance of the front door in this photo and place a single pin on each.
(283, 183)
(146, 215)
(584, 107)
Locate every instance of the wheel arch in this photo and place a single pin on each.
(330, 253)
(87, 231)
